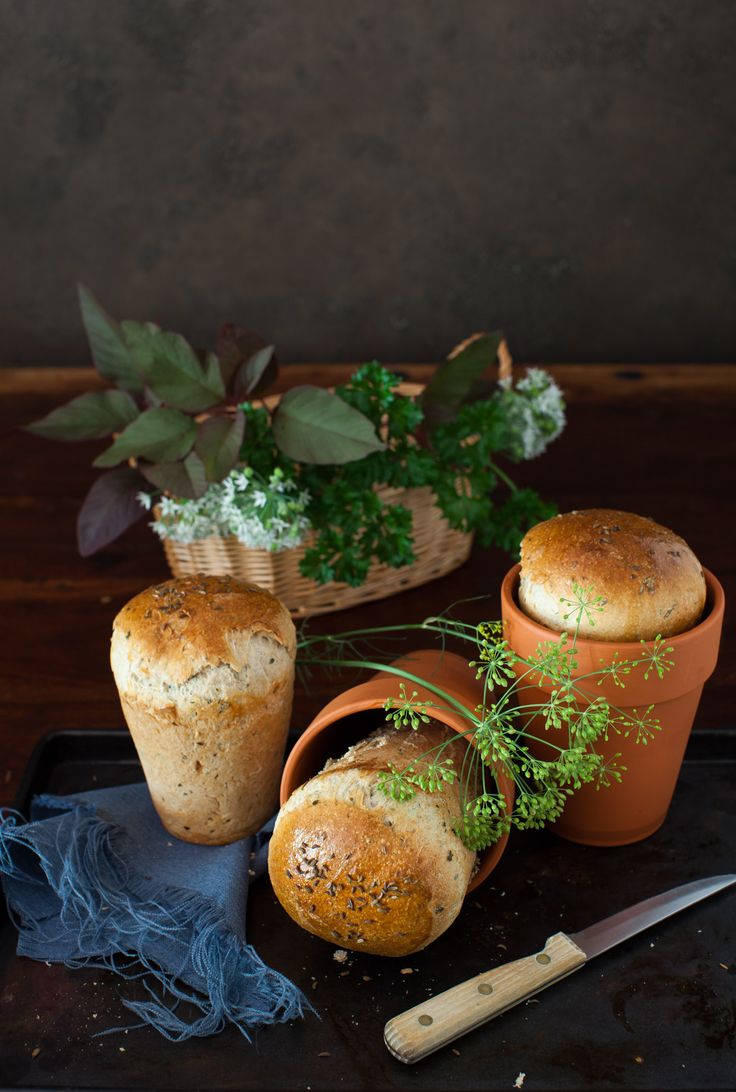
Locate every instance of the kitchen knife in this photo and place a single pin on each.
(442, 1019)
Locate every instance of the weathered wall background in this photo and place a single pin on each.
(362, 178)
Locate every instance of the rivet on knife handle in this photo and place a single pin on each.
(442, 1019)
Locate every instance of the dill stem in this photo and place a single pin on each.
(370, 665)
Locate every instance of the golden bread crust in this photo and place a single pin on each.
(205, 671)
(189, 622)
(366, 872)
(650, 579)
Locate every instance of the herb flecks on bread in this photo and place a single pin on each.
(361, 870)
(649, 579)
(205, 671)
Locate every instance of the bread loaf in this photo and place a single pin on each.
(650, 580)
(205, 671)
(367, 872)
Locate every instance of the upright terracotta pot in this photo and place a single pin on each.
(637, 806)
(351, 716)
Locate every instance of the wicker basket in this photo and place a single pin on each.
(438, 548)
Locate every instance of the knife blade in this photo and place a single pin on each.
(440, 1020)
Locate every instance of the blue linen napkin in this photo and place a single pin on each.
(94, 880)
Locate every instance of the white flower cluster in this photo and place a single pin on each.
(535, 412)
(263, 515)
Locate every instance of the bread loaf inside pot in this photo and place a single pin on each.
(650, 580)
(362, 870)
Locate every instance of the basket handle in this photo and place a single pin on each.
(505, 360)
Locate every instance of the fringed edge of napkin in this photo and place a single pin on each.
(104, 907)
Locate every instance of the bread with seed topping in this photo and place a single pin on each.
(362, 870)
(650, 580)
(204, 667)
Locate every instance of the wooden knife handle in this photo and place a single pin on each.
(442, 1019)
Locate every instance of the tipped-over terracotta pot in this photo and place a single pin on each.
(352, 715)
(636, 806)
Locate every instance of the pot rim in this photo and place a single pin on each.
(353, 696)
(488, 858)
(715, 596)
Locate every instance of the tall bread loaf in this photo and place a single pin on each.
(651, 581)
(205, 671)
(363, 871)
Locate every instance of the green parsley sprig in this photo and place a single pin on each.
(457, 459)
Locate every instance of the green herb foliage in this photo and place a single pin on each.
(504, 732)
(354, 526)
(185, 419)
(173, 413)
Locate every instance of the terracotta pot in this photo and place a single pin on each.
(637, 806)
(351, 716)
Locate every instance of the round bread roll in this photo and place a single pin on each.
(651, 581)
(204, 667)
(357, 868)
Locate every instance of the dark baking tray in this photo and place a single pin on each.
(658, 1012)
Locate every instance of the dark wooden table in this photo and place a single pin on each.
(657, 1013)
(657, 440)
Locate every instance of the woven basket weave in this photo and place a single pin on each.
(438, 548)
